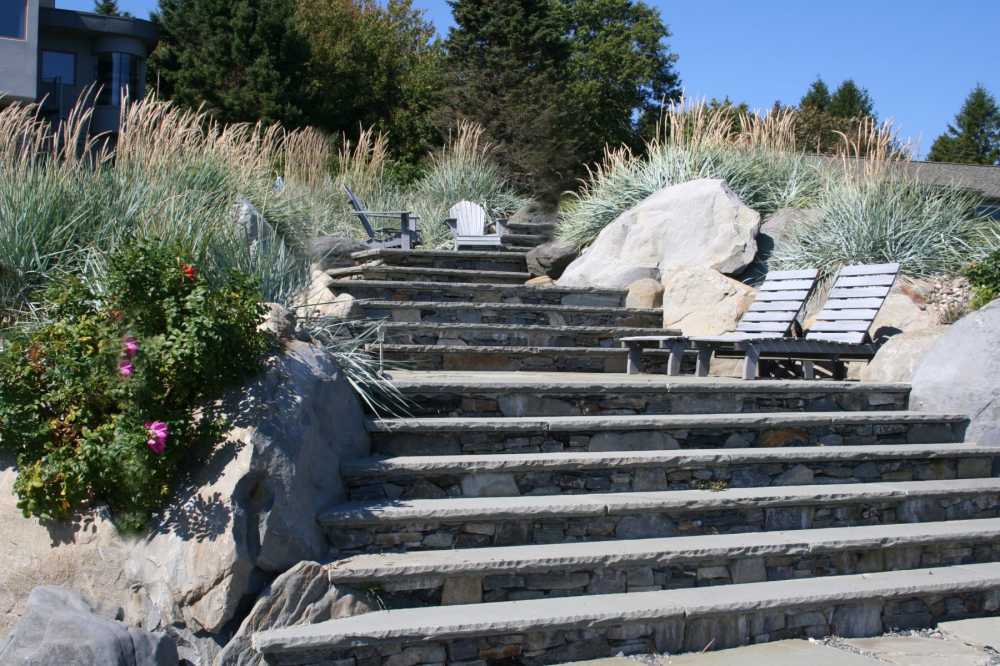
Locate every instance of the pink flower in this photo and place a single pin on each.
(130, 346)
(158, 432)
(125, 368)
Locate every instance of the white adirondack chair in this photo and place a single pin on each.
(468, 222)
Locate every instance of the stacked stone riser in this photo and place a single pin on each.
(508, 314)
(402, 592)
(695, 622)
(420, 274)
(475, 293)
(475, 261)
(496, 357)
(387, 486)
(494, 335)
(733, 399)
(481, 532)
(522, 441)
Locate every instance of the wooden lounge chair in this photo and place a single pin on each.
(404, 239)
(468, 223)
(774, 313)
(841, 330)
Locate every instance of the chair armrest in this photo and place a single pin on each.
(452, 224)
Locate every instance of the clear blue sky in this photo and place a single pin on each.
(918, 58)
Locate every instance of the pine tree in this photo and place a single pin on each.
(975, 136)
(241, 58)
(850, 101)
(107, 8)
(817, 98)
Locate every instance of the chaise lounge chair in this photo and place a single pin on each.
(468, 223)
(404, 239)
(775, 312)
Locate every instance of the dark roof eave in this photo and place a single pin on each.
(96, 24)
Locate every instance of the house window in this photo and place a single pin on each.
(13, 19)
(59, 66)
(117, 72)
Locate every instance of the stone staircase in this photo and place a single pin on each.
(531, 511)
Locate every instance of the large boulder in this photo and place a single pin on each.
(774, 232)
(701, 301)
(335, 251)
(535, 212)
(906, 310)
(59, 628)
(698, 223)
(551, 259)
(899, 357)
(247, 514)
(961, 374)
(644, 293)
(301, 595)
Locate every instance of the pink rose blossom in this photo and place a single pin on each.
(158, 432)
(130, 346)
(125, 368)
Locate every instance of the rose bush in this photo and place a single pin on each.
(108, 398)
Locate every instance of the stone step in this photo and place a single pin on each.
(389, 290)
(472, 522)
(515, 358)
(507, 335)
(490, 261)
(421, 274)
(510, 313)
(523, 239)
(507, 475)
(552, 434)
(512, 573)
(565, 394)
(540, 228)
(557, 630)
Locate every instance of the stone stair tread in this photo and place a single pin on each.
(476, 286)
(540, 615)
(653, 421)
(354, 514)
(674, 458)
(451, 326)
(361, 269)
(646, 552)
(390, 253)
(509, 349)
(473, 305)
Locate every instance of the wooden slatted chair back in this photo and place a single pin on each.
(852, 305)
(359, 210)
(471, 218)
(780, 300)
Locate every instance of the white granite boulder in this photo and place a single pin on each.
(698, 223)
(899, 357)
(961, 374)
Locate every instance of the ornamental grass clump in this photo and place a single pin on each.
(108, 396)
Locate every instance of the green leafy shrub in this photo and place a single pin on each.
(106, 399)
(985, 278)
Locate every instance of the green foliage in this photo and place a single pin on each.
(78, 403)
(240, 58)
(108, 8)
(850, 101)
(827, 124)
(554, 81)
(985, 278)
(817, 97)
(975, 136)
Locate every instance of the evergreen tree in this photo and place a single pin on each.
(975, 136)
(554, 81)
(817, 98)
(107, 7)
(850, 101)
(241, 58)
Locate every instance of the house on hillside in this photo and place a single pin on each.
(51, 56)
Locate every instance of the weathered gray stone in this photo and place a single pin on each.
(698, 223)
(748, 570)
(645, 293)
(462, 590)
(644, 527)
(489, 485)
(335, 251)
(551, 259)
(774, 232)
(301, 595)
(961, 373)
(899, 357)
(279, 322)
(797, 475)
(644, 440)
(858, 620)
(60, 628)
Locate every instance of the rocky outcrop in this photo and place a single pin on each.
(551, 258)
(776, 229)
(699, 223)
(961, 374)
(246, 515)
(701, 301)
(335, 251)
(535, 212)
(59, 628)
(905, 310)
(899, 357)
(301, 595)
(645, 293)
